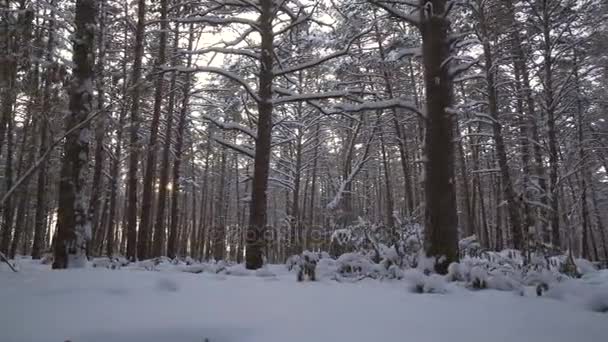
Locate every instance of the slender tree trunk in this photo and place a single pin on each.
(204, 213)
(313, 185)
(389, 207)
(181, 129)
(586, 227)
(598, 220)
(99, 129)
(7, 207)
(131, 211)
(145, 229)
(116, 162)
(507, 184)
(159, 224)
(219, 229)
(550, 103)
(41, 198)
(526, 95)
(23, 199)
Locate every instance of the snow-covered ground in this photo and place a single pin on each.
(101, 305)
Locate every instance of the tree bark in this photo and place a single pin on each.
(145, 229)
(441, 220)
(73, 225)
(181, 129)
(133, 248)
(257, 213)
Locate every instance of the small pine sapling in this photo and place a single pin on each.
(307, 268)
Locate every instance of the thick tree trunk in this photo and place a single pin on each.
(441, 220)
(73, 225)
(257, 213)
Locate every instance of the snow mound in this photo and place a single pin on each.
(238, 270)
(264, 272)
(419, 282)
(166, 284)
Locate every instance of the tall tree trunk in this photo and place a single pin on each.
(181, 129)
(550, 109)
(313, 183)
(116, 161)
(586, 227)
(24, 197)
(507, 184)
(219, 229)
(73, 225)
(7, 207)
(159, 224)
(389, 207)
(441, 220)
(41, 198)
(145, 229)
(525, 94)
(257, 213)
(202, 241)
(100, 128)
(401, 138)
(131, 211)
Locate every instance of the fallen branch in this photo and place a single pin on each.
(5, 259)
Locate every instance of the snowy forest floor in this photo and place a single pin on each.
(169, 305)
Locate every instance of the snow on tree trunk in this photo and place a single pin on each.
(257, 216)
(441, 220)
(73, 223)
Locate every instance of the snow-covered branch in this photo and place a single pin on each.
(247, 151)
(231, 126)
(313, 63)
(378, 105)
(219, 71)
(397, 13)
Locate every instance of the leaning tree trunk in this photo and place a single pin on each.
(257, 212)
(73, 225)
(441, 220)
